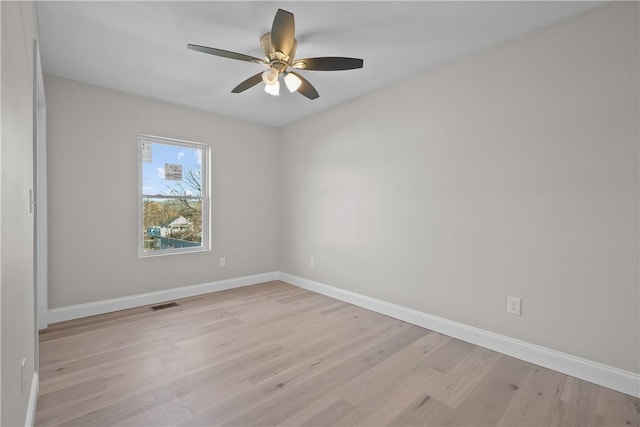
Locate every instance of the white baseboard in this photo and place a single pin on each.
(33, 400)
(107, 306)
(598, 373)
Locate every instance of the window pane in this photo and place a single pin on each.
(171, 223)
(172, 170)
(173, 196)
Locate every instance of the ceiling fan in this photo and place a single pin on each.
(279, 47)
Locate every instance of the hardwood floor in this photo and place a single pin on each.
(274, 354)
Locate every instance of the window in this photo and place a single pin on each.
(173, 196)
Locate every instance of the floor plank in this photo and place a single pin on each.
(275, 354)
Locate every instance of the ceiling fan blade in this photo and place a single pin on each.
(225, 53)
(306, 88)
(283, 32)
(328, 63)
(248, 84)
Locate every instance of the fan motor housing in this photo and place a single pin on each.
(277, 59)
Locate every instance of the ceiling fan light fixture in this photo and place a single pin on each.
(279, 48)
(273, 89)
(270, 77)
(292, 81)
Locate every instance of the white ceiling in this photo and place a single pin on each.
(140, 47)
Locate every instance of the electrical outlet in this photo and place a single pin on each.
(23, 376)
(514, 306)
(312, 262)
(222, 262)
(32, 202)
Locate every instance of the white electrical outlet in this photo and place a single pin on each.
(32, 202)
(223, 261)
(22, 374)
(514, 306)
(312, 262)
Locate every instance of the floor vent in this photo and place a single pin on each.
(161, 306)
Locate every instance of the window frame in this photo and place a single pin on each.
(205, 196)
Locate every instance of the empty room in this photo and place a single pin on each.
(314, 213)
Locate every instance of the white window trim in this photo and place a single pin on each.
(206, 197)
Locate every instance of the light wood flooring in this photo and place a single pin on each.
(274, 354)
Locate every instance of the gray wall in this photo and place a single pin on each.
(93, 186)
(511, 172)
(19, 29)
